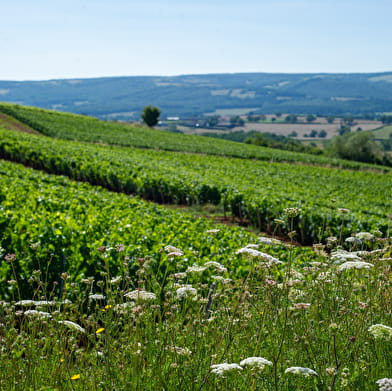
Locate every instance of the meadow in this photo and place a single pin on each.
(102, 290)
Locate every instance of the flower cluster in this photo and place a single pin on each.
(258, 363)
(380, 331)
(384, 384)
(140, 295)
(301, 371)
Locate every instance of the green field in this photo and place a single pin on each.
(383, 133)
(82, 128)
(255, 191)
(103, 289)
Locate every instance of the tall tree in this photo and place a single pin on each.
(150, 115)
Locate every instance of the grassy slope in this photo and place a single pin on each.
(82, 128)
(253, 190)
(383, 133)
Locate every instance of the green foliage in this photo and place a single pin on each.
(272, 140)
(253, 191)
(236, 121)
(150, 115)
(123, 324)
(330, 119)
(359, 146)
(82, 128)
(212, 120)
(322, 133)
(55, 225)
(291, 118)
(386, 119)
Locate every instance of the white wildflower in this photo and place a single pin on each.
(26, 303)
(380, 331)
(37, 314)
(251, 245)
(332, 239)
(172, 249)
(255, 362)
(40, 303)
(341, 256)
(301, 371)
(217, 266)
(354, 265)
(123, 308)
(186, 291)
(140, 295)
(364, 236)
(384, 384)
(264, 240)
(116, 280)
(222, 279)
(97, 297)
(196, 269)
(72, 325)
(213, 231)
(180, 351)
(221, 369)
(258, 254)
(179, 276)
(353, 240)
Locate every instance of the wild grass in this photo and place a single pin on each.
(319, 322)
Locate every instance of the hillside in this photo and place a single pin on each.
(103, 289)
(253, 189)
(82, 128)
(124, 97)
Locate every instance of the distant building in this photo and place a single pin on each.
(172, 118)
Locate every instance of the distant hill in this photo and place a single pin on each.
(188, 95)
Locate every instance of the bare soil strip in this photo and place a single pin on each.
(10, 123)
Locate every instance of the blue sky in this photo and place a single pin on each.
(44, 39)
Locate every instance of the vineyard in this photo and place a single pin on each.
(101, 288)
(252, 191)
(83, 128)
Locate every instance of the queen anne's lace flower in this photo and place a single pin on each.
(124, 308)
(221, 369)
(37, 314)
(258, 254)
(216, 265)
(72, 325)
(301, 371)
(172, 249)
(353, 240)
(255, 362)
(180, 351)
(140, 295)
(186, 291)
(355, 265)
(341, 256)
(196, 269)
(384, 384)
(97, 297)
(264, 240)
(380, 331)
(364, 236)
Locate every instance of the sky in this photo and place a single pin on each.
(56, 39)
